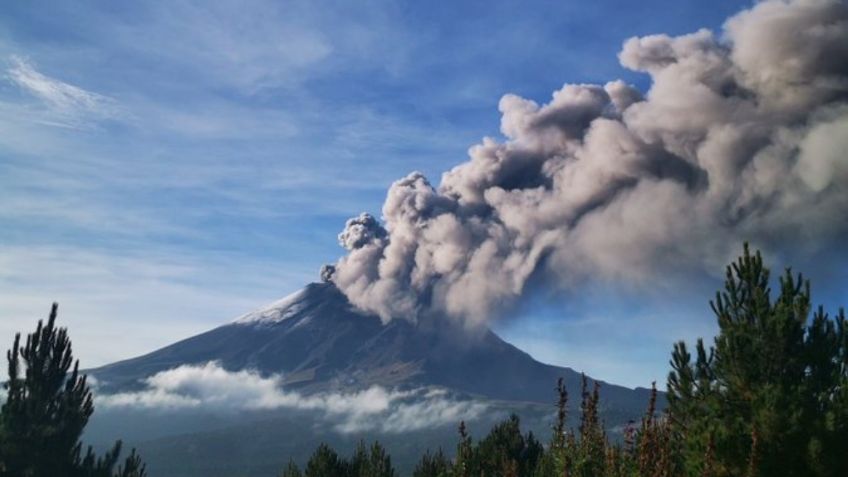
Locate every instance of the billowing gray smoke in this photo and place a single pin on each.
(743, 136)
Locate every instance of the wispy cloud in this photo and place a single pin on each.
(63, 104)
(210, 386)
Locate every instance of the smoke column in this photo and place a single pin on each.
(741, 136)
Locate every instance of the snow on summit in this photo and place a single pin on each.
(276, 311)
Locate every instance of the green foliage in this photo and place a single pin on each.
(655, 451)
(769, 397)
(464, 464)
(588, 455)
(506, 451)
(46, 411)
(372, 461)
(325, 462)
(433, 465)
(291, 470)
(588, 452)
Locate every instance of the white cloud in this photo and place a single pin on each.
(434, 409)
(62, 104)
(374, 409)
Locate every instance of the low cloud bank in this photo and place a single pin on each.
(209, 386)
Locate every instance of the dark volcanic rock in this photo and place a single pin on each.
(318, 341)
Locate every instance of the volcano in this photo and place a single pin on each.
(319, 342)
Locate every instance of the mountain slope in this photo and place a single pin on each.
(319, 342)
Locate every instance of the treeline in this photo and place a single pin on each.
(507, 452)
(768, 399)
(372, 461)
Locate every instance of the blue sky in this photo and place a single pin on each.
(167, 166)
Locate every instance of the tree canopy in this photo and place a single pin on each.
(48, 404)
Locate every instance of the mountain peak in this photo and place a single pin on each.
(292, 305)
(276, 311)
(317, 340)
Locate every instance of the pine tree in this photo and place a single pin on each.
(370, 462)
(768, 397)
(379, 462)
(506, 451)
(555, 461)
(291, 470)
(657, 455)
(359, 465)
(325, 462)
(133, 466)
(464, 464)
(433, 465)
(590, 458)
(828, 378)
(46, 411)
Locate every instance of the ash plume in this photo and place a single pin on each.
(741, 136)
